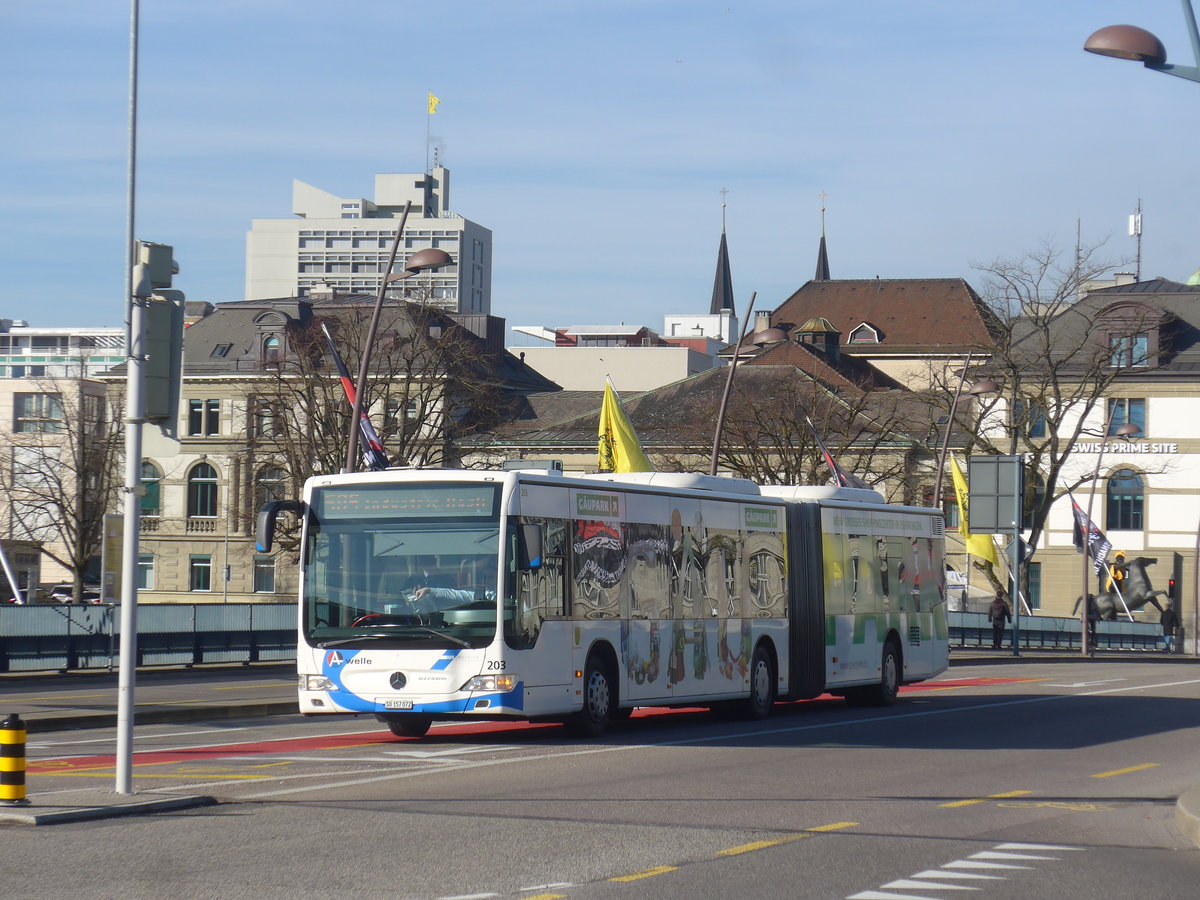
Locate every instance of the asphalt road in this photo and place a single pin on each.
(1033, 779)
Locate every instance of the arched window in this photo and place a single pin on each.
(270, 350)
(1126, 498)
(151, 504)
(1035, 493)
(269, 484)
(202, 491)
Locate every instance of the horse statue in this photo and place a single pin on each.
(1137, 591)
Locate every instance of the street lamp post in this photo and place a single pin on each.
(428, 258)
(1131, 42)
(1123, 431)
(1138, 44)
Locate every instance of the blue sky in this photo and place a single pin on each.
(594, 139)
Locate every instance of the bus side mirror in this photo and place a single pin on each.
(529, 547)
(264, 533)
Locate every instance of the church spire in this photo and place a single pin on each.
(822, 254)
(722, 296)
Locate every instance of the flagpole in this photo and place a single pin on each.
(712, 465)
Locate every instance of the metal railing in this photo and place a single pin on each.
(80, 636)
(969, 630)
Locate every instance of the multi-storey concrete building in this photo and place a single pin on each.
(343, 243)
(27, 351)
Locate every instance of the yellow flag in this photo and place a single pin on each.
(620, 449)
(980, 545)
(433, 102)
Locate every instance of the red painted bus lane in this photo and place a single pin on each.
(370, 738)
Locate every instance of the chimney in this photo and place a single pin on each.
(762, 320)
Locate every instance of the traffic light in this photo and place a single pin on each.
(164, 359)
(1171, 588)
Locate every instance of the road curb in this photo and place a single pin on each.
(112, 805)
(1187, 814)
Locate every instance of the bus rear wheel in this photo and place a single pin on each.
(762, 686)
(408, 726)
(599, 701)
(885, 693)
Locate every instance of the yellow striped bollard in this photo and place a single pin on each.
(12, 762)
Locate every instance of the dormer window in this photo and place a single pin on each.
(271, 350)
(1133, 334)
(864, 334)
(1129, 350)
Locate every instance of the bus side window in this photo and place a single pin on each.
(540, 591)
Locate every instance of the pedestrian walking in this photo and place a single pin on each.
(998, 614)
(1169, 621)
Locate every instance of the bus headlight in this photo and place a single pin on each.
(316, 683)
(492, 683)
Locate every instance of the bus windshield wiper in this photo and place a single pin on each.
(393, 632)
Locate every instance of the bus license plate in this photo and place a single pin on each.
(397, 704)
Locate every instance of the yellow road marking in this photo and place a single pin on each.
(1058, 804)
(648, 873)
(975, 800)
(1125, 771)
(544, 897)
(836, 826)
(760, 845)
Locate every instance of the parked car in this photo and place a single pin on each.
(29, 595)
(65, 593)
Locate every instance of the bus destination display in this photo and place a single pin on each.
(408, 501)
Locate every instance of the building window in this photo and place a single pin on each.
(264, 575)
(1031, 415)
(49, 344)
(1126, 499)
(269, 484)
(221, 350)
(151, 503)
(37, 413)
(1035, 495)
(271, 350)
(204, 417)
(145, 573)
(1035, 585)
(266, 421)
(1129, 349)
(202, 492)
(199, 573)
(1127, 410)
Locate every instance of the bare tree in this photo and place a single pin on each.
(1055, 357)
(768, 437)
(432, 382)
(61, 472)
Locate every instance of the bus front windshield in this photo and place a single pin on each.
(405, 565)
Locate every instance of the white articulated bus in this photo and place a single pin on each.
(456, 594)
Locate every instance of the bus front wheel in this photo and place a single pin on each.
(598, 701)
(408, 726)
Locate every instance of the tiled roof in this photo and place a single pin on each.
(912, 313)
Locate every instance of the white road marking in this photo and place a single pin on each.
(934, 873)
(1079, 684)
(910, 884)
(713, 738)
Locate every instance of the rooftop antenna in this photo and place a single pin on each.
(1135, 230)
